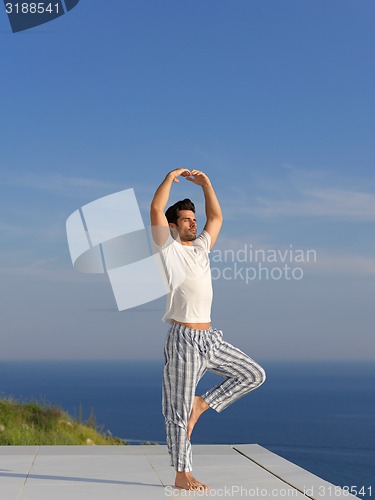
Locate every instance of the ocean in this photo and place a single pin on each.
(318, 415)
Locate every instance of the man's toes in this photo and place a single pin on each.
(201, 487)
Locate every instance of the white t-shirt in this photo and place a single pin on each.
(188, 274)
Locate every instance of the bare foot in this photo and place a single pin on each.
(199, 406)
(186, 481)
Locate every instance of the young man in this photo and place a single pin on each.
(192, 346)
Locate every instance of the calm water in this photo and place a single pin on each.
(318, 415)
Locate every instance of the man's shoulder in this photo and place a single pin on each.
(203, 240)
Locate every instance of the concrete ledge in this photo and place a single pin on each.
(143, 472)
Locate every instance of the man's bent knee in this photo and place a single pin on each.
(256, 377)
(262, 376)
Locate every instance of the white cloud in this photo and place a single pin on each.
(304, 194)
(48, 270)
(48, 233)
(57, 183)
(344, 264)
(323, 202)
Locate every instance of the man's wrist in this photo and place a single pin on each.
(170, 176)
(207, 185)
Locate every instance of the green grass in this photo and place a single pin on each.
(35, 423)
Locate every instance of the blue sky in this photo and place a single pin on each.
(273, 100)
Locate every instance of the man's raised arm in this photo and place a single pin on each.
(158, 204)
(214, 215)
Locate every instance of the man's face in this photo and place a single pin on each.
(186, 225)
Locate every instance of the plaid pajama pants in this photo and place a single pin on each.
(188, 354)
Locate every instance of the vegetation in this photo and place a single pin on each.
(35, 423)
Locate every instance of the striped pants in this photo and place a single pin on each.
(188, 354)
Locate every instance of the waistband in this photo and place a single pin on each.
(177, 327)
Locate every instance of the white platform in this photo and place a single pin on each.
(143, 472)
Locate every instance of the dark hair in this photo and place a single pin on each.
(173, 212)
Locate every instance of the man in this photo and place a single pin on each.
(192, 346)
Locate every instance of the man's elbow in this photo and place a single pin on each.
(156, 209)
